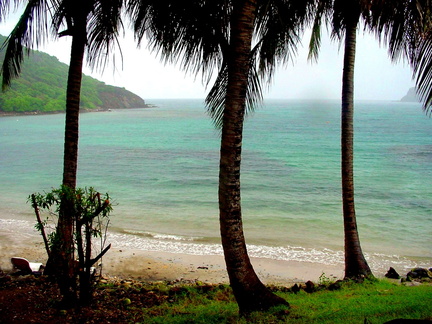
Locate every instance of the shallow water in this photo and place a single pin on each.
(161, 168)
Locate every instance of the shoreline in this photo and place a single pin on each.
(151, 266)
(166, 266)
(159, 261)
(129, 261)
(82, 110)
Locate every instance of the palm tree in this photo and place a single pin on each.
(345, 16)
(249, 291)
(422, 66)
(219, 35)
(355, 262)
(406, 27)
(93, 25)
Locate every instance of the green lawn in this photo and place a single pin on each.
(370, 302)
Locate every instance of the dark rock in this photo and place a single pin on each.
(5, 278)
(295, 289)
(392, 274)
(419, 273)
(336, 285)
(310, 287)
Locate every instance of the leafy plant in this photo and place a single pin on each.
(324, 280)
(91, 219)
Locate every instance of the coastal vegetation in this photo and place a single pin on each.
(41, 88)
(129, 301)
(90, 223)
(93, 27)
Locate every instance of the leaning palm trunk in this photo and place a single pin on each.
(63, 260)
(104, 22)
(249, 291)
(355, 262)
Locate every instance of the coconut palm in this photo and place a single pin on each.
(347, 19)
(93, 26)
(219, 35)
(405, 26)
(422, 65)
(344, 16)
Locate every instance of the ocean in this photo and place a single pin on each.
(160, 166)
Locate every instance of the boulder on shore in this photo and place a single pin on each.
(419, 273)
(392, 274)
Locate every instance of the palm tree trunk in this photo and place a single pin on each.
(63, 260)
(70, 159)
(250, 293)
(355, 262)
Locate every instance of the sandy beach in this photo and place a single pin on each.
(161, 266)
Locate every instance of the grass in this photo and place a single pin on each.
(371, 302)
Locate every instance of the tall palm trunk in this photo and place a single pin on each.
(63, 260)
(250, 293)
(73, 95)
(355, 262)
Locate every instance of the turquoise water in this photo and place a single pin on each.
(160, 165)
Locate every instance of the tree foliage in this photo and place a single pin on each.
(90, 218)
(42, 88)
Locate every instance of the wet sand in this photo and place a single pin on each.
(163, 266)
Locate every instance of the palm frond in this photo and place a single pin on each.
(200, 41)
(5, 7)
(215, 100)
(423, 69)
(405, 25)
(254, 89)
(104, 26)
(29, 32)
(322, 15)
(315, 41)
(280, 25)
(194, 33)
(399, 24)
(196, 41)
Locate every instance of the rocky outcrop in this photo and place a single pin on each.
(420, 273)
(411, 96)
(416, 274)
(115, 98)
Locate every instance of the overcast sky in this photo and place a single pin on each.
(376, 77)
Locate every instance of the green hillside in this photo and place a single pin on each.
(42, 88)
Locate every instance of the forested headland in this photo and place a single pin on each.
(41, 88)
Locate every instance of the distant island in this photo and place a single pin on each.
(411, 96)
(41, 88)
